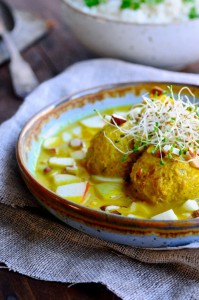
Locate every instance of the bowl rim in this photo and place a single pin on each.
(115, 220)
(104, 19)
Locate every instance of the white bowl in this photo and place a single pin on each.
(170, 46)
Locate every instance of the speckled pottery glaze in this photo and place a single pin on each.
(114, 228)
(171, 46)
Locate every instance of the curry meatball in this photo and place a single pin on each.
(171, 183)
(103, 158)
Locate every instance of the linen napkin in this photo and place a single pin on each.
(36, 244)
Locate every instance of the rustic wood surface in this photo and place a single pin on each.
(48, 57)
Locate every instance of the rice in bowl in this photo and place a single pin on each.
(141, 11)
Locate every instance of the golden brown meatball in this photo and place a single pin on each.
(171, 183)
(104, 159)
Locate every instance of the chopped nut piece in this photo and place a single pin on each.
(195, 214)
(76, 144)
(47, 170)
(70, 170)
(52, 150)
(118, 120)
(115, 212)
(191, 155)
(103, 207)
(194, 164)
(110, 208)
(156, 90)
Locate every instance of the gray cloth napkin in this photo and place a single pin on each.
(35, 244)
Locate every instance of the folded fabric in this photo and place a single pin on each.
(35, 244)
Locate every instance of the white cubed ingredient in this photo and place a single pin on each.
(65, 178)
(72, 190)
(78, 155)
(66, 137)
(76, 144)
(99, 178)
(93, 122)
(190, 205)
(108, 118)
(51, 142)
(111, 208)
(166, 216)
(61, 161)
(77, 131)
(176, 151)
(167, 148)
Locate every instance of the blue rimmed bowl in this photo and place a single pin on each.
(118, 229)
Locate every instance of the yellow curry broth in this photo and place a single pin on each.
(118, 195)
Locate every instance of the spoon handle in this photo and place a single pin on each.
(23, 78)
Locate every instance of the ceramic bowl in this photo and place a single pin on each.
(114, 228)
(170, 46)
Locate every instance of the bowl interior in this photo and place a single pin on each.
(120, 229)
(64, 114)
(51, 120)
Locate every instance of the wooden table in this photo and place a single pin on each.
(48, 57)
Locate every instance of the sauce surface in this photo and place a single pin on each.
(60, 168)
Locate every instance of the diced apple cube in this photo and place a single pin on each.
(166, 216)
(98, 178)
(51, 142)
(61, 161)
(107, 118)
(65, 178)
(72, 190)
(78, 155)
(66, 137)
(190, 205)
(93, 122)
(76, 144)
(77, 131)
